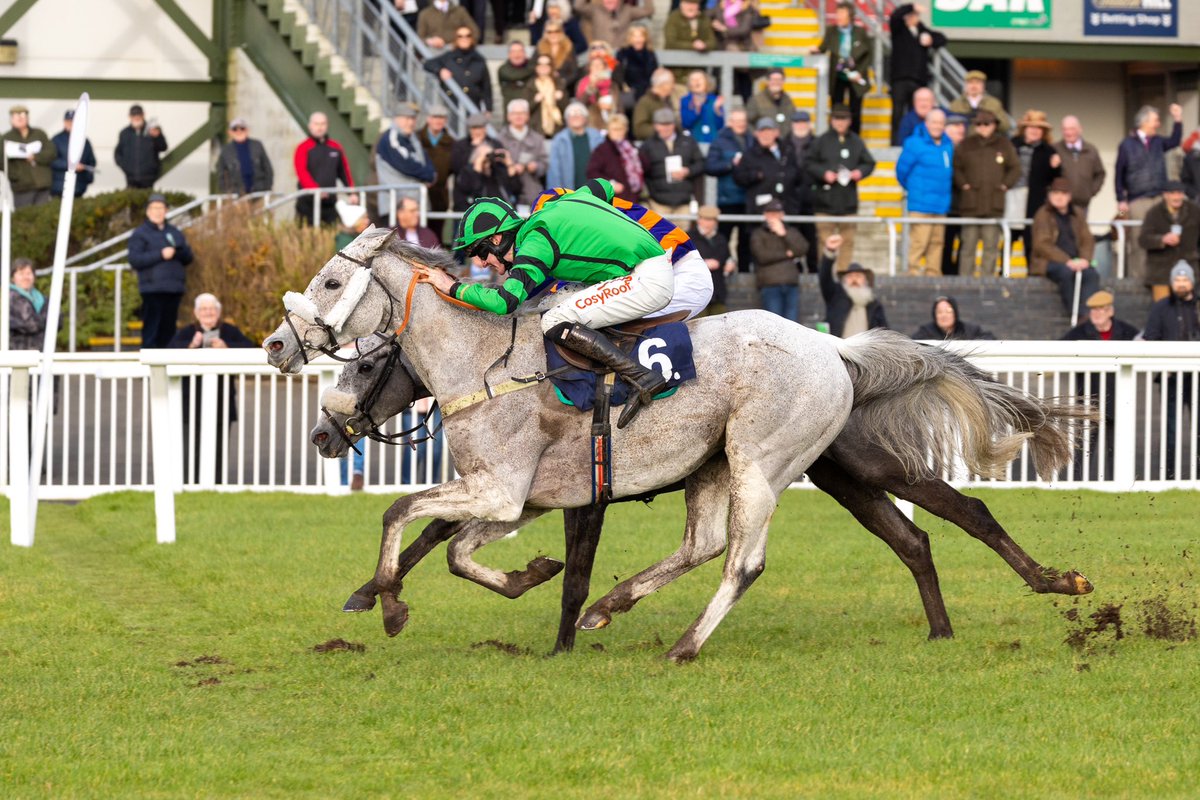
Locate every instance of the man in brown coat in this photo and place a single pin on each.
(439, 145)
(663, 94)
(985, 167)
(1081, 164)
(437, 23)
(1063, 246)
(1169, 234)
(776, 249)
(609, 20)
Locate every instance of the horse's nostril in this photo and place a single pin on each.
(321, 438)
(275, 345)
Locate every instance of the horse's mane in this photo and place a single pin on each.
(442, 259)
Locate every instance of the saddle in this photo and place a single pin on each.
(621, 335)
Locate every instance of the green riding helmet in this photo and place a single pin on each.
(486, 217)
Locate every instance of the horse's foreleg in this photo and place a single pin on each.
(581, 528)
(752, 502)
(707, 495)
(509, 584)
(434, 534)
(879, 515)
(969, 513)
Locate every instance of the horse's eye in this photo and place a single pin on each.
(365, 367)
(333, 284)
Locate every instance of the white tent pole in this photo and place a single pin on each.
(46, 390)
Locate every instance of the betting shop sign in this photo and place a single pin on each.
(1131, 17)
(991, 13)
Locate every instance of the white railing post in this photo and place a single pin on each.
(1121, 235)
(20, 531)
(166, 455)
(118, 328)
(1125, 426)
(204, 429)
(891, 232)
(72, 313)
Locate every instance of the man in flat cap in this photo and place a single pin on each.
(140, 146)
(1169, 234)
(1063, 246)
(671, 161)
(1102, 325)
(975, 99)
(28, 153)
(400, 159)
(244, 166)
(85, 170)
(837, 161)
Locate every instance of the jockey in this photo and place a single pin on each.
(578, 238)
(693, 279)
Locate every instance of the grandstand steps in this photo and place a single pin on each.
(330, 72)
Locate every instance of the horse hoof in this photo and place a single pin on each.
(358, 603)
(395, 614)
(681, 655)
(1080, 583)
(593, 620)
(545, 567)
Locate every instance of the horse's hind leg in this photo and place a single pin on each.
(434, 534)
(707, 495)
(581, 527)
(478, 533)
(969, 513)
(879, 515)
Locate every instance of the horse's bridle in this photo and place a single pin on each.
(362, 421)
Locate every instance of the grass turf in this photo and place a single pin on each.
(137, 670)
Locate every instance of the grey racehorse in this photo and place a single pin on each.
(770, 396)
(373, 389)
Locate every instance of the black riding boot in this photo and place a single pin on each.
(596, 346)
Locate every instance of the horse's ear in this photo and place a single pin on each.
(384, 242)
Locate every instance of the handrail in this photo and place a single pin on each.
(121, 237)
(387, 57)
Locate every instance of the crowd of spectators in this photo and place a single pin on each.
(588, 99)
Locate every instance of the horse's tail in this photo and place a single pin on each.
(924, 405)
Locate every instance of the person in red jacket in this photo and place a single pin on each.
(320, 163)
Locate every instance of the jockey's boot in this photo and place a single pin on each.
(596, 346)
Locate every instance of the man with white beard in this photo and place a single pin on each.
(850, 303)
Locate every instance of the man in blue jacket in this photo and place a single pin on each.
(158, 252)
(926, 171)
(723, 155)
(399, 158)
(85, 171)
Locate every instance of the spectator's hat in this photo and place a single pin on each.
(982, 117)
(349, 214)
(406, 110)
(1034, 119)
(771, 205)
(477, 120)
(664, 116)
(1060, 185)
(437, 110)
(765, 124)
(19, 109)
(708, 212)
(236, 123)
(157, 197)
(1174, 186)
(975, 75)
(1100, 299)
(956, 119)
(69, 114)
(856, 267)
(801, 116)
(1183, 269)
(135, 110)
(840, 112)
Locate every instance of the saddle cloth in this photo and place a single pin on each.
(666, 348)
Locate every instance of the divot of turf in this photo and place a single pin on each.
(503, 647)
(1161, 621)
(336, 645)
